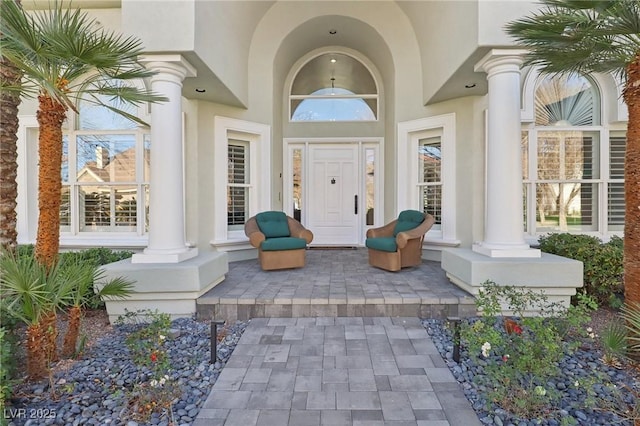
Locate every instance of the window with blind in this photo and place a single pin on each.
(430, 176)
(105, 172)
(237, 184)
(563, 153)
(615, 187)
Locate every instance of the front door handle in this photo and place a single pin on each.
(355, 204)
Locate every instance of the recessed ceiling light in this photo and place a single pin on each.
(332, 32)
(200, 90)
(469, 86)
(333, 60)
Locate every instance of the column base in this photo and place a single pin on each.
(171, 288)
(500, 251)
(162, 256)
(557, 277)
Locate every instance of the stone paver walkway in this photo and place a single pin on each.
(336, 371)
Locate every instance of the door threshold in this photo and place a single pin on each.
(333, 248)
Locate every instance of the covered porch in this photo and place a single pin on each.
(334, 283)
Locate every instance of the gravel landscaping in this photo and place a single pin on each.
(579, 371)
(97, 389)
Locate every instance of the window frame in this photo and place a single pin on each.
(74, 235)
(362, 96)
(605, 107)
(258, 138)
(247, 184)
(409, 135)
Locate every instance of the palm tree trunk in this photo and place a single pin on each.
(49, 325)
(632, 186)
(51, 115)
(9, 102)
(37, 363)
(71, 338)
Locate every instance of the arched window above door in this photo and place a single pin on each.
(333, 87)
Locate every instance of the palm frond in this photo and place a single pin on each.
(580, 36)
(62, 52)
(116, 288)
(23, 287)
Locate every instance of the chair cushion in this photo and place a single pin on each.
(283, 243)
(408, 220)
(382, 244)
(273, 224)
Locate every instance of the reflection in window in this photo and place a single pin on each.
(103, 187)
(567, 163)
(333, 108)
(566, 100)
(333, 87)
(238, 184)
(97, 117)
(430, 176)
(297, 184)
(107, 159)
(565, 188)
(370, 184)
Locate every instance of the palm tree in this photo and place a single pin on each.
(65, 56)
(9, 102)
(88, 274)
(31, 292)
(577, 36)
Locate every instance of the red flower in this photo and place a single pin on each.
(512, 327)
(154, 357)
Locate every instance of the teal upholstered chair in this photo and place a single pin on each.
(398, 244)
(281, 240)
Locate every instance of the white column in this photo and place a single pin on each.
(167, 242)
(504, 228)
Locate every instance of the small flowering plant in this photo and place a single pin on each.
(521, 352)
(147, 346)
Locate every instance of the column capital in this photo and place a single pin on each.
(501, 60)
(173, 64)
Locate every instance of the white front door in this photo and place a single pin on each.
(333, 194)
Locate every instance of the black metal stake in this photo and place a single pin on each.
(456, 338)
(214, 340)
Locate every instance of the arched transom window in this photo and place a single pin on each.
(333, 87)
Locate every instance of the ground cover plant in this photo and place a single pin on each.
(544, 368)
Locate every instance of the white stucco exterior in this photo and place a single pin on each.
(227, 68)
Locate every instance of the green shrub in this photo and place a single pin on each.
(97, 256)
(603, 268)
(7, 367)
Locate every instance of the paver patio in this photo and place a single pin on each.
(334, 283)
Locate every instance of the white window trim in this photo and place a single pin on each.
(300, 63)
(407, 184)
(27, 210)
(610, 111)
(259, 138)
